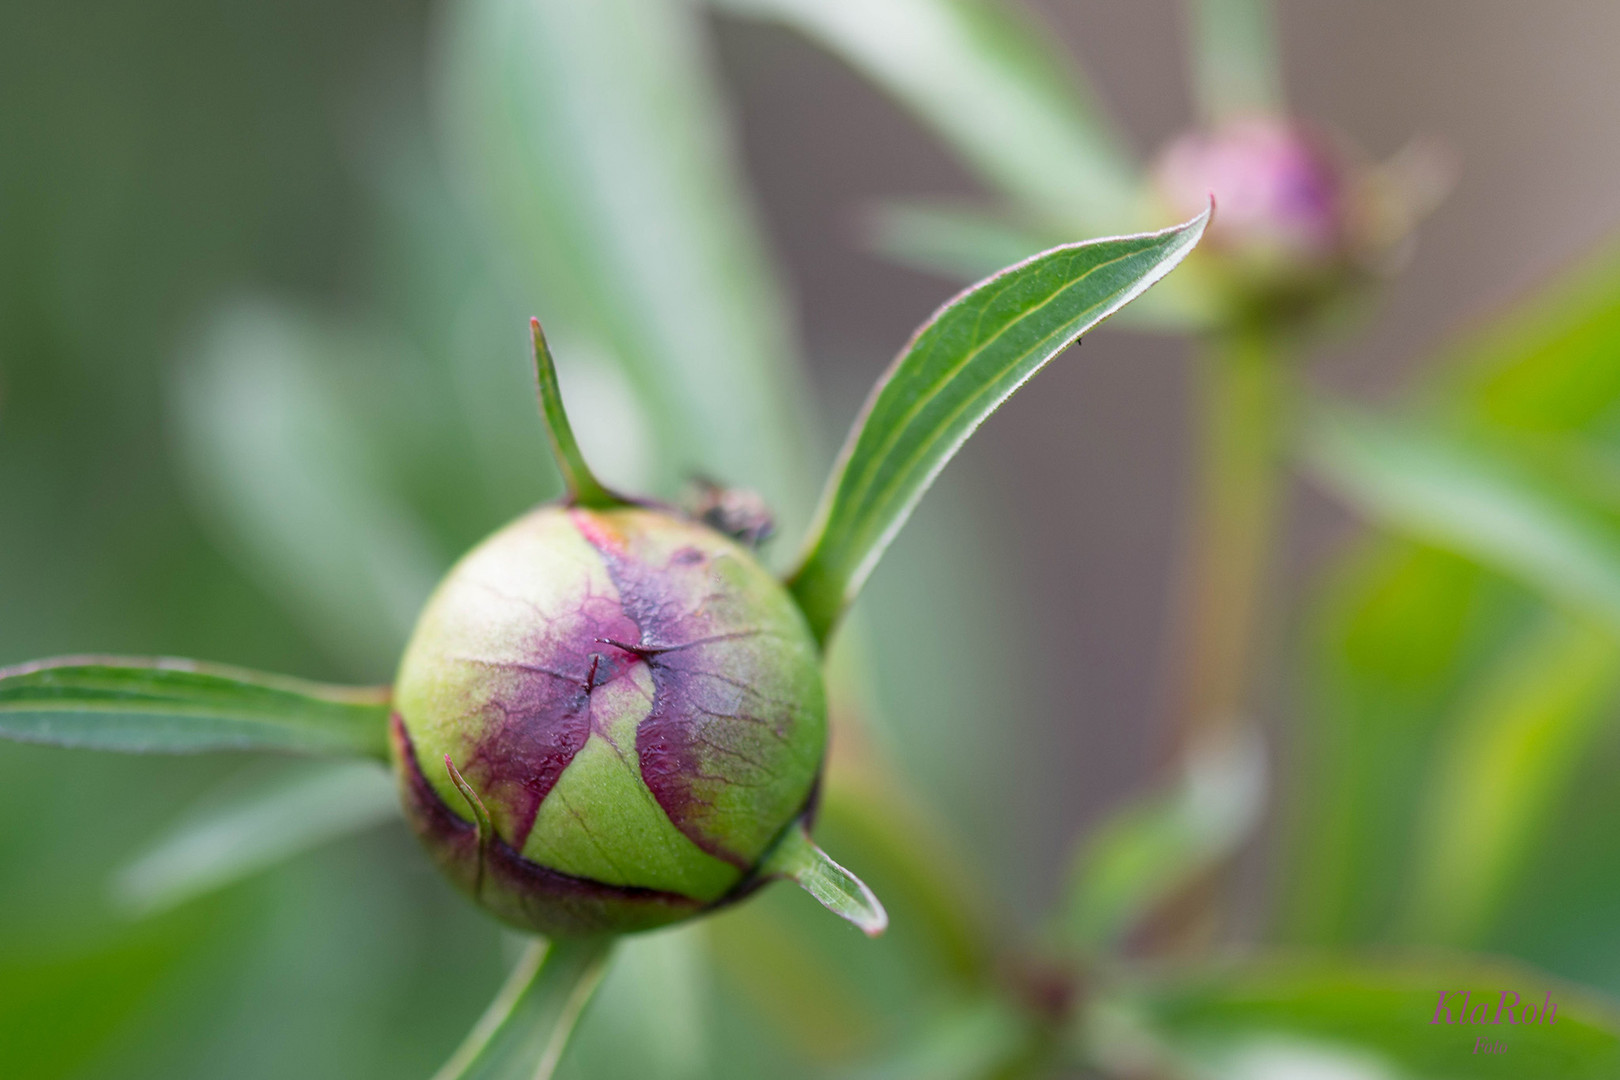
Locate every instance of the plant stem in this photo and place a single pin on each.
(1246, 402)
(1236, 68)
(523, 1033)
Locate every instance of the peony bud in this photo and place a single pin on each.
(1299, 216)
(606, 718)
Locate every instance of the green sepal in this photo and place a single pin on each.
(797, 858)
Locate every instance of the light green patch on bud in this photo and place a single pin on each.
(601, 822)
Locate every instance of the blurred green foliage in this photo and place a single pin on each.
(262, 268)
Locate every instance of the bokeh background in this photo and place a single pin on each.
(191, 193)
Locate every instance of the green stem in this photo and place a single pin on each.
(523, 1033)
(1246, 402)
(584, 489)
(1235, 60)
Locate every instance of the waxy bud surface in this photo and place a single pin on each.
(632, 700)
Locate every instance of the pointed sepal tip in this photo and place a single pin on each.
(797, 858)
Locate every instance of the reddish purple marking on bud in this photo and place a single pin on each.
(1276, 184)
(544, 710)
(520, 891)
(695, 697)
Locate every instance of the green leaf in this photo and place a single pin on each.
(1478, 500)
(1498, 775)
(524, 1032)
(1409, 631)
(958, 368)
(1356, 1021)
(797, 859)
(1235, 61)
(290, 484)
(1146, 852)
(582, 486)
(168, 706)
(993, 86)
(225, 840)
(959, 241)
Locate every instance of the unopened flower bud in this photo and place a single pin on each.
(1299, 216)
(605, 718)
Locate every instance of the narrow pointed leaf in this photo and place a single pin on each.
(797, 858)
(961, 365)
(583, 488)
(170, 706)
(524, 1032)
(228, 840)
(1299, 1018)
(992, 86)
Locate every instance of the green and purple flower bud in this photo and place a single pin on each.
(605, 720)
(1301, 215)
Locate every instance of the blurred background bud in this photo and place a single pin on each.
(1301, 214)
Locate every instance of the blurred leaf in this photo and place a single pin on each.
(1499, 774)
(523, 1034)
(1401, 638)
(1235, 61)
(288, 478)
(959, 241)
(1544, 365)
(1408, 631)
(590, 134)
(1149, 850)
(227, 839)
(1476, 500)
(1288, 1020)
(957, 369)
(993, 86)
(169, 706)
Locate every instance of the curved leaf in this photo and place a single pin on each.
(169, 706)
(524, 1032)
(961, 365)
(1360, 1021)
